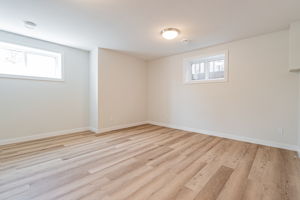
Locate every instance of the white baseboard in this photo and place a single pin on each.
(103, 130)
(112, 128)
(43, 135)
(65, 132)
(93, 129)
(231, 136)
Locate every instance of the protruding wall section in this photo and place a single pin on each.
(294, 62)
(94, 90)
(299, 119)
(120, 90)
(294, 46)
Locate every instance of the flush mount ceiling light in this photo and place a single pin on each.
(29, 25)
(169, 33)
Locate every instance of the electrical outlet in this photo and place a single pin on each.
(280, 131)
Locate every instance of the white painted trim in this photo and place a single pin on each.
(34, 78)
(43, 135)
(103, 130)
(93, 129)
(231, 136)
(112, 128)
(70, 131)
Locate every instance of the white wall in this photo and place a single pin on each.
(29, 107)
(299, 117)
(294, 46)
(94, 90)
(122, 89)
(260, 97)
(294, 55)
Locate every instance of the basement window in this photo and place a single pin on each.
(206, 68)
(29, 63)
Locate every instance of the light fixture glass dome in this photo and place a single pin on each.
(170, 33)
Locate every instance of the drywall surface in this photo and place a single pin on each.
(122, 89)
(94, 90)
(294, 50)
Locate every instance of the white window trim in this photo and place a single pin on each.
(38, 51)
(187, 68)
(35, 78)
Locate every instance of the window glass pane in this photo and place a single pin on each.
(211, 66)
(43, 66)
(199, 71)
(12, 62)
(217, 67)
(193, 69)
(202, 68)
(222, 67)
(218, 71)
(197, 68)
(220, 64)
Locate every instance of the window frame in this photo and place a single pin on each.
(36, 51)
(187, 68)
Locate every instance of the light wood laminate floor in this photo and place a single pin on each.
(146, 162)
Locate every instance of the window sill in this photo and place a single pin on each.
(206, 81)
(34, 78)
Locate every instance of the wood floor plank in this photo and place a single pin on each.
(173, 187)
(253, 190)
(146, 162)
(236, 184)
(215, 185)
(201, 178)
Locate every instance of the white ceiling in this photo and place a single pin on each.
(134, 26)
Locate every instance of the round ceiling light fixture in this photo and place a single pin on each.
(29, 25)
(170, 33)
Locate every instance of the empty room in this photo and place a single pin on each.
(149, 100)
